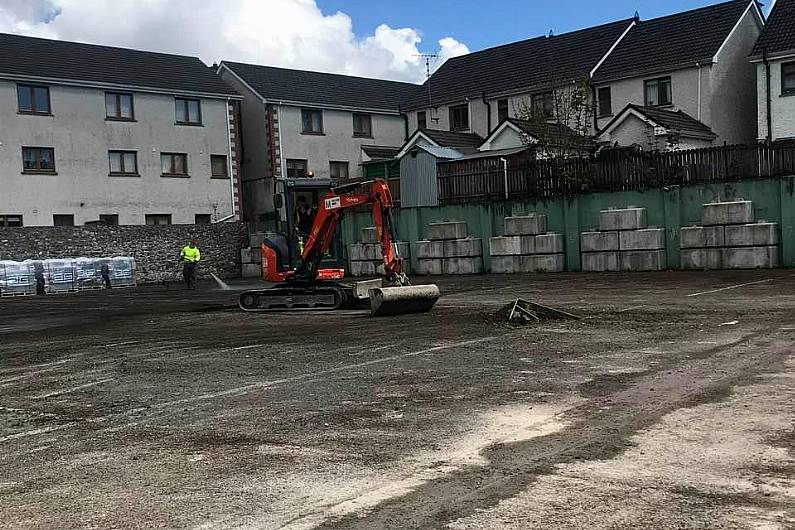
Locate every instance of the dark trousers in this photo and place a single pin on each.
(189, 274)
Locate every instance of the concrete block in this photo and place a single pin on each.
(599, 261)
(252, 270)
(623, 219)
(727, 213)
(429, 249)
(255, 239)
(251, 255)
(505, 246)
(449, 230)
(362, 268)
(701, 236)
(598, 241)
(644, 239)
(543, 263)
(361, 251)
(752, 235)
(404, 249)
(643, 260)
(505, 264)
(463, 248)
(473, 265)
(549, 244)
(701, 258)
(432, 267)
(526, 225)
(750, 257)
(368, 235)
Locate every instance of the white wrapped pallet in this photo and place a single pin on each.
(122, 272)
(16, 278)
(88, 273)
(60, 275)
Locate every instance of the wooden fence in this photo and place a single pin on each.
(612, 170)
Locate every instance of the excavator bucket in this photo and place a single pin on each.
(386, 301)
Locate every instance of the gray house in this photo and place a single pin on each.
(774, 59)
(93, 133)
(685, 68)
(301, 124)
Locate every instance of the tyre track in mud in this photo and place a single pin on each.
(598, 430)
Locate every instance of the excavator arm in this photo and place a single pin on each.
(330, 212)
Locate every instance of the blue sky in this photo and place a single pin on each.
(481, 24)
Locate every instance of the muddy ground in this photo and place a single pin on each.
(669, 405)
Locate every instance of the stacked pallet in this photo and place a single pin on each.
(366, 257)
(448, 250)
(728, 238)
(623, 243)
(527, 247)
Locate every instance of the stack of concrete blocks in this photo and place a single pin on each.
(251, 257)
(366, 258)
(527, 247)
(448, 250)
(728, 238)
(623, 243)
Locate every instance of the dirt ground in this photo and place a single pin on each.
(670, 404)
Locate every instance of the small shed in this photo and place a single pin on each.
(418, 186)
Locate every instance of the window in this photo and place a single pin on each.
(202, 219)
(63, 220)
(296, 169)
(123, 162)
(157, 219)
(542, 105)
(119, 106)
(788, 79)
(338, 170)
(658, 91)
(502, 110)
(362, 125)
(605, 97)
(218, 168)
(109, 219)
(422, 120)
(459, 118)
(312, 121)
(174, 164)
(38, 160)
(33, 99)
(10, 220)
(188, 111)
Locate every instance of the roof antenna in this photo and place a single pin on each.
(551, 33)
(428, 57)
(637, 16)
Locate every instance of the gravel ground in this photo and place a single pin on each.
(670, 404)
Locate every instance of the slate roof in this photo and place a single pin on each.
(322, 89)
(779, 32)
(676, 121)
(673, 41)
(519, 65)
(379, 152)
(441, 152)
(464, 142)
(54, 59)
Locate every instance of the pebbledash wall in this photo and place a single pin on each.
(669, 208)
(155, 248)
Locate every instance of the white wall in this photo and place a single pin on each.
(81, 138)
(478, 117)
(337, 142)
(782, 107)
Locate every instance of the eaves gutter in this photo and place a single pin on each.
(117, 86)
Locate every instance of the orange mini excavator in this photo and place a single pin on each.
(308, 287)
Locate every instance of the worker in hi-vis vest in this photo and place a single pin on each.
(190, 257)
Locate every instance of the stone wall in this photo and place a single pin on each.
(155, 248)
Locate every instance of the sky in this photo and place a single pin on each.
(373, 38)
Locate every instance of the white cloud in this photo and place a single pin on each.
(289, 33)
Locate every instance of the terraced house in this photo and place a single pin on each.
(112, 135)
